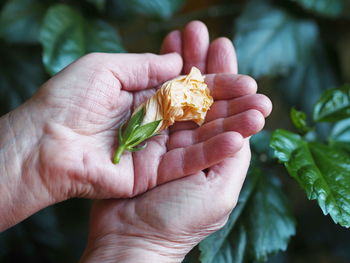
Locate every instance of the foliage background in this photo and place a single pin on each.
(295, 48)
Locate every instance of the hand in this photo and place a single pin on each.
(163, 224)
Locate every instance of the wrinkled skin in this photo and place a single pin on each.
(164, 223)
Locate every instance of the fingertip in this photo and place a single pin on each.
(173, 59)
(172, 43)
(265, 104)
(254, 121)
(228, 143)
(222, 57)
(195, 45)
(196, 25)
(249, 83)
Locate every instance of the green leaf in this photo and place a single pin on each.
(334, 105)
(322, 171)
(330, 8)
(340, 135)
(154, 8)
(269, 211)
(269, 41)
(20, 20)
(249, 233)
(66, 35)
(299, 120)
(303, 86)
(284, 143)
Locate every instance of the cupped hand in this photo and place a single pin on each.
(164, 223)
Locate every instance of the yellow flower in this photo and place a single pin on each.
(181, 99)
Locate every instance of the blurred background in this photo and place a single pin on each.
(296, 49)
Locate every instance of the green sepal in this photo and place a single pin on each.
(134, 134)
(142, 133)
(133, 123)
(133, 149)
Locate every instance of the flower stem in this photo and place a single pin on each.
(118, 154)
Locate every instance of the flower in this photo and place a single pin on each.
(181, 99)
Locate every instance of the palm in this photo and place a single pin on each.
(81, 131)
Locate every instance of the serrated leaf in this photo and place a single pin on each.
(284, 143)
(330, 8)
(322, 171)
(299, 120)
(305, 83)
(268, 204)
(269, 41)
(340, 135)
(154, 8)
(20, 20)
(249, 234)
(334, 105)
(66, 35)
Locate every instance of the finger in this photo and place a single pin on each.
(172, 43)
(195, 43)
(227, 177)
(221, 57)
(246, 123)
(226, 108)
(137, 71)
(225, 86)
(185, 161)
(222, 87)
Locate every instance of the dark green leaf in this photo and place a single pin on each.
(321, 170)
(340, 135)
(250, 233)
(20, 20)
(269, 222)
(269, 41)
(324, 7)
(334, 105)
(284, 143)
(303, 86)
(299, 120)
(101, 37)
(154, 8)
(66, 35)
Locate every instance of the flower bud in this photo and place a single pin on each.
(181, 99)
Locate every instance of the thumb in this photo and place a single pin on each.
(141, 71)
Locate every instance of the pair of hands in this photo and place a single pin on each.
(60, 144)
